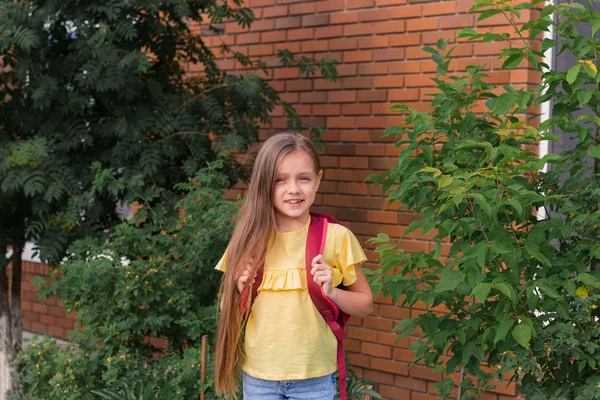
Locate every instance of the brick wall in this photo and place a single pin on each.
(378, 44)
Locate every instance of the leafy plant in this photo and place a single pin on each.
(99, 113)
(511, 284)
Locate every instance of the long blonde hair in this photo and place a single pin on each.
(254, 230)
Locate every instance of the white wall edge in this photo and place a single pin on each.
(545, 110)
(27, 253)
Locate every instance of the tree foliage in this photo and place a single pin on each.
(511, 284)
(94, 88)
(99, 112)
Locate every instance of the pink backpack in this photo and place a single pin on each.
(335, 318)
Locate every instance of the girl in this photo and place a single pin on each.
(289, 351)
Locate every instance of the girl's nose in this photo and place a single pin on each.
(293, 188)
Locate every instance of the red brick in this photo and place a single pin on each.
(373, 69)
(343, 96)
(261, 3)
(422, 396)
(372, 95)
(315, 20)
(388, 54)
(378, 323)
(425, 373)
(328, 32)
(328, 6)
(393, 393)
(358, 30)
(278, 11)
(405, 39)
(383, 3)
(422, 24)
(357, 83)
(457, 21)
(57, 332)
(248, 38)
(373, 42)
(327, 109)
(439, 8)
(261, 50)
(286, 23)
(413, 11)
(379, 377)
(390, 366)
(358, 56)
(356, 109)
(374, 15)
(388, 81)
(354, 162)
(315, 46)
(420, 81)
(303, 8)
(301, 34)
(343, 44)
(313, 97)
(340, 122)
(368, 335)
(389, 27)
(410, 383)
(351, 4)
(344, 18)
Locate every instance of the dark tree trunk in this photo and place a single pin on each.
(15, 300)
(15, 314)
(7, 354)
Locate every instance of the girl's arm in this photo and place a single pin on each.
(356, 299)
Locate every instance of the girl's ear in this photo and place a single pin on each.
(319, 176)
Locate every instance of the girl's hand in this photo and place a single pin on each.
(243, 279)
(321, 272)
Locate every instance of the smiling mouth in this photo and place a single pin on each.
(294, 201)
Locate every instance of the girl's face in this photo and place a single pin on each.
(296, 184)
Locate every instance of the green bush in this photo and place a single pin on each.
(512, 282)
(153, 276)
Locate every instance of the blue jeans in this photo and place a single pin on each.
(321, 388)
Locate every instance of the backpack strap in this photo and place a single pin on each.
(333, 316)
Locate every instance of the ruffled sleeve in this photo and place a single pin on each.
(347, 254)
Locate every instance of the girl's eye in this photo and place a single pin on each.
(279, 180)
(304, 178)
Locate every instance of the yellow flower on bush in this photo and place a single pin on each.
(582, 292)
(590, 63)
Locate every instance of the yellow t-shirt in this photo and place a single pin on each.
(286, 337)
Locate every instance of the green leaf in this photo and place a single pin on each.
(449, 281)
(444, 181)
(406, 327)
(512, 61)
(594, 151)
(502, 329)
(547, 287)
(588, 279)
(481, 291)
(572, 73)
(436, 172)
(504, 103)
(522, 334)
(595, 26)
(505, 289)
(488, 14)
(481, 202)
(584, 96)
(534, 250)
